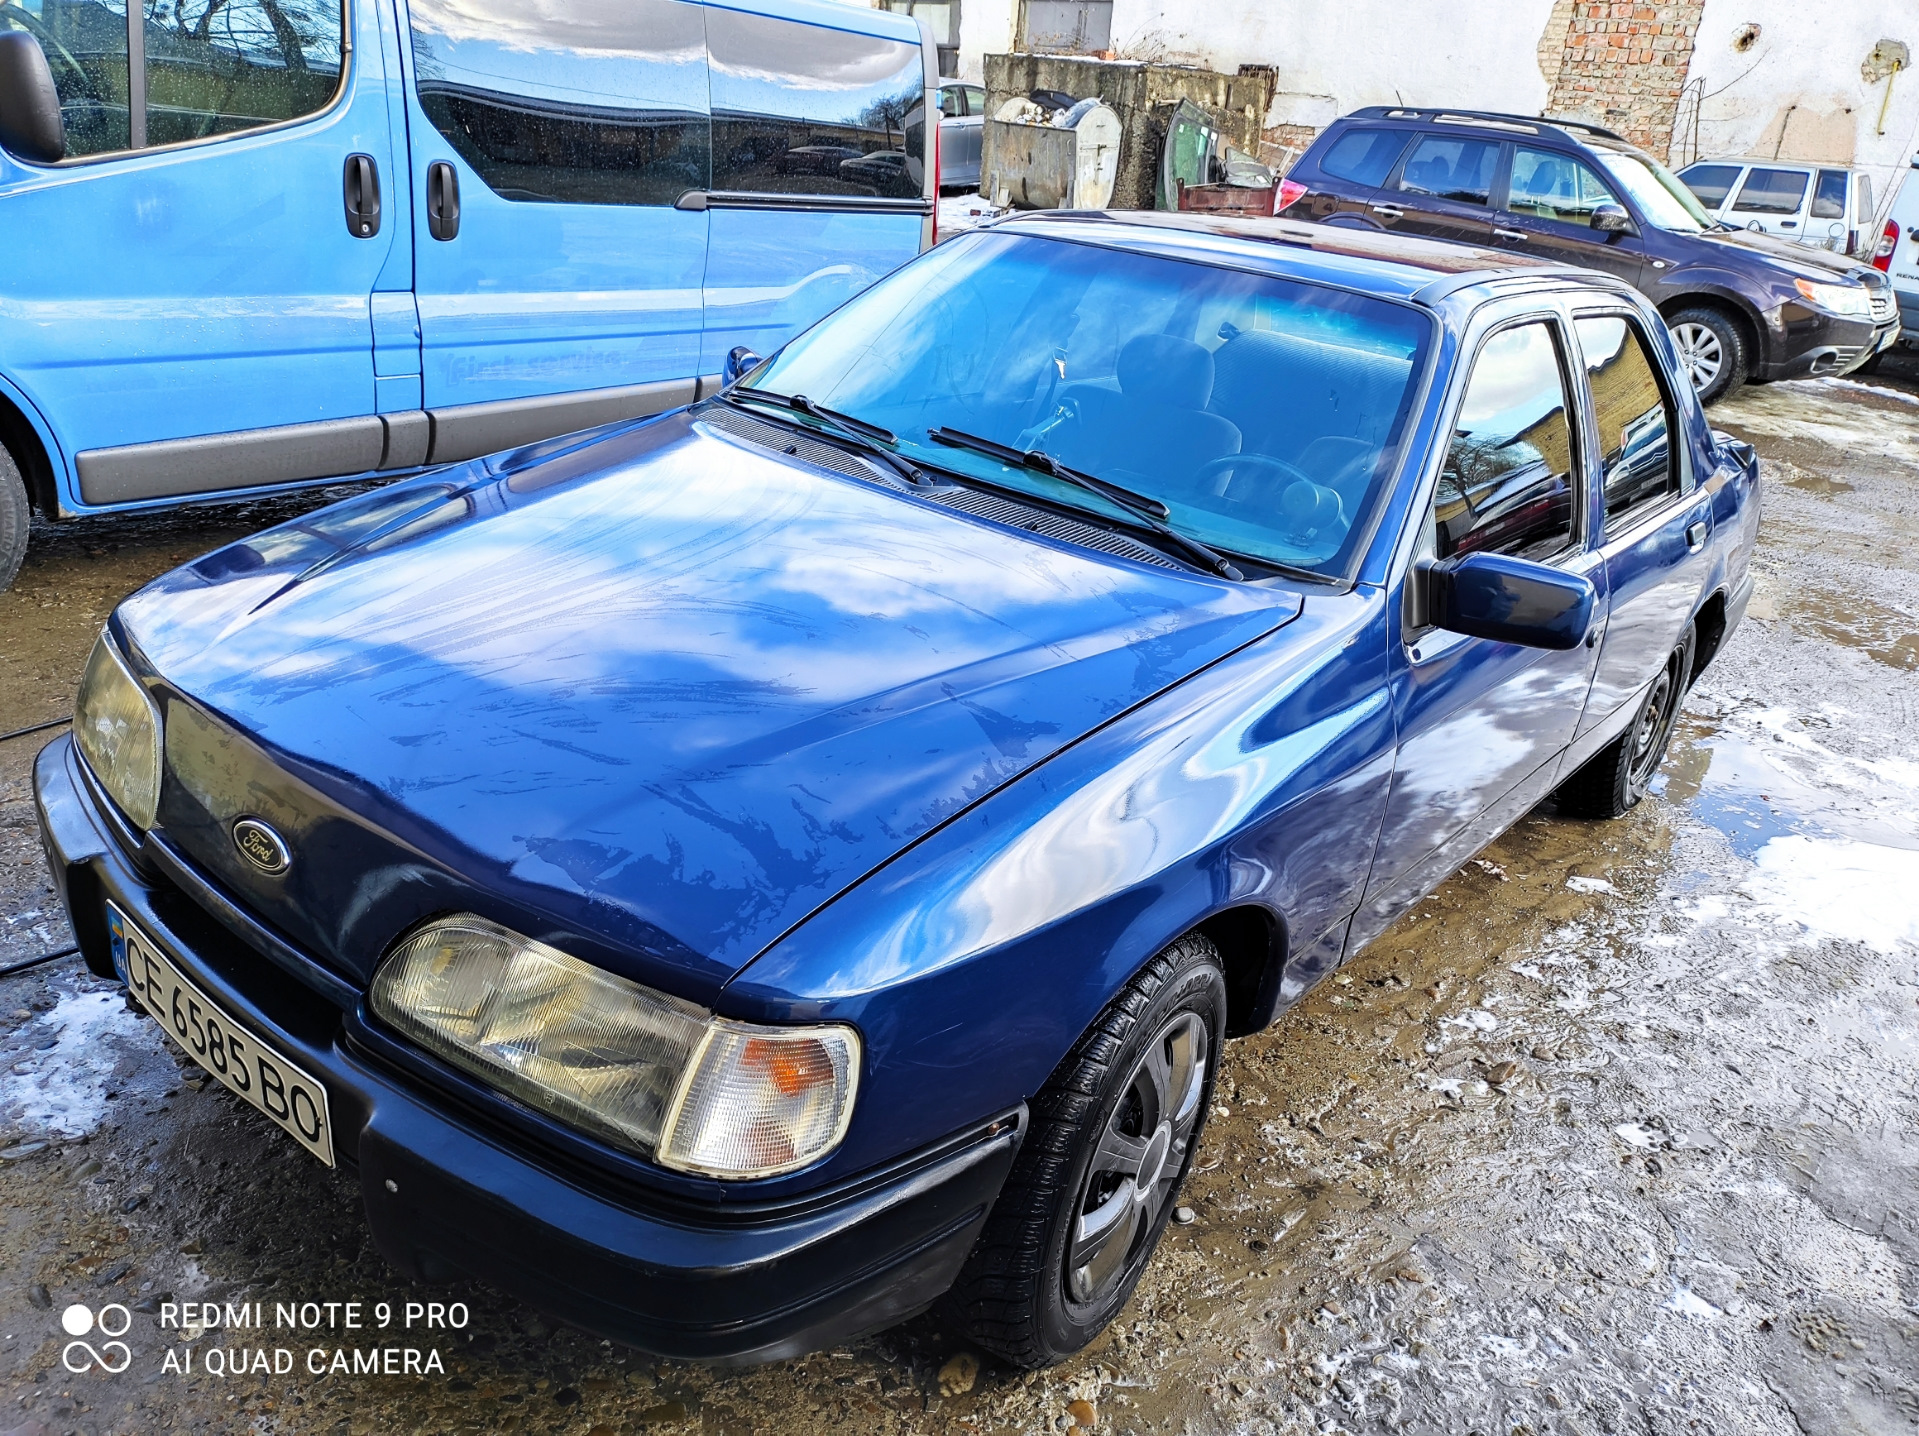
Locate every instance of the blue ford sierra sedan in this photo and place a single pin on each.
(736, 878)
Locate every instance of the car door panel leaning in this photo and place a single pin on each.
(914, 781)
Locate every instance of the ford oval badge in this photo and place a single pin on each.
(261, 846)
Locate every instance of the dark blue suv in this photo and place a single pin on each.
(1742, 306)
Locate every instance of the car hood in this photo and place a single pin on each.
(1806, 260)
(658, 696)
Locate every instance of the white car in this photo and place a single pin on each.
(1898, 255)
(1826, 205)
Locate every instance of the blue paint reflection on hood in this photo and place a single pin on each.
(673, 674)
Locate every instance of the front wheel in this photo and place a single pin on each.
(1614, 780)
(15, 517)
(1712, 350)
(1113, 1134)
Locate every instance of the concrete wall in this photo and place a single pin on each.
(1798, 90)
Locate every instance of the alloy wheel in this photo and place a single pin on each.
(1139, 1160)
(1700, 352)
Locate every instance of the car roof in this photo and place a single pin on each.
(1389, 265)
(1772, 164)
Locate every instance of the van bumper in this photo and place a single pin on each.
(447, 1193)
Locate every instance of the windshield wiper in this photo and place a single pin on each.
(868, 438)
(1150, 510)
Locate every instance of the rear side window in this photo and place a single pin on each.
(596, 102)
(1635, 422)
(1829, 195)
(1364, 156)
(801, 109)
(1447, 168)
(1507, 486)
(1712, 183)
(1862, 200)
(1772, 192)
(1553, 186)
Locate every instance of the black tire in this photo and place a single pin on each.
(1613, 781)
(1712, 350)
(15, 516)
(1015, 1295)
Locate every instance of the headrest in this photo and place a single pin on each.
(1175, 372)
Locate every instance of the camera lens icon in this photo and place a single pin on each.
(76, 1320)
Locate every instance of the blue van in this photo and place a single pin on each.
(265, 243)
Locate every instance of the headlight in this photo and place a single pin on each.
(118, 730)
(643, 1070)
(1851, 301)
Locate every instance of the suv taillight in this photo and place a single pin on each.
(1289, 190)
(1889, 241)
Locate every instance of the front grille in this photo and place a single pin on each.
(1884, 306)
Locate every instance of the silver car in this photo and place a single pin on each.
(962, 120)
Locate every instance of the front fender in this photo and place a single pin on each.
(974, 960)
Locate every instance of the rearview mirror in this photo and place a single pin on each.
(1509, 600)
(1611, 219)
(739, 361)
(30, 123)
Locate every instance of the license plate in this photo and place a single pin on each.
(226, 1047)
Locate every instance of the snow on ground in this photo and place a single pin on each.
(961, 212)
(61, 1074)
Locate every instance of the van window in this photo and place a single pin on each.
(596, 102)
(1364, 156)
(1452, 169)
(86, 48)
(1712, 183)
(801, 109)
(1635, 427)
(1772, 192)
(1829, 197)
(216, 67)
(1553, 186)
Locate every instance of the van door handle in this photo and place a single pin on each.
(1391, 211)
(1696, 535)
(1509, 233)
(360, 187)
(442, 200)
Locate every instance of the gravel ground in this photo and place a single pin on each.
(1615, 1133)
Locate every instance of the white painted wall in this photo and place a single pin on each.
(1799, 92)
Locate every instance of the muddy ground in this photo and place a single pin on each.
(1618, 1132)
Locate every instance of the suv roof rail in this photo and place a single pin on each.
(1410, 112)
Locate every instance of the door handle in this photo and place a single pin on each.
(1696, 535)
(360, 188)
(1508, 233)
(442, 200)
(1391, 211)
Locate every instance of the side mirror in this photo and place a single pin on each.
(740, 361)
(30, 123)
(1509, 600)
(1611, 219)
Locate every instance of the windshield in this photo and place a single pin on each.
(1264, 413)
(1660, 195)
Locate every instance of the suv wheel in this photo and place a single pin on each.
(15, 515)
(1113, 1133)
(1614, 780)
(1711, 350)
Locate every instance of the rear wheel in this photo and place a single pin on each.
(1712, 350)
(15, 516)
(1113, 1133)
(1620, 774)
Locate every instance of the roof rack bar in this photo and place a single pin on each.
(1409, 112)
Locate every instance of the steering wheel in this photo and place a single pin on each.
(1207, 477)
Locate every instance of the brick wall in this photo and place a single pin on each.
(1623, 65)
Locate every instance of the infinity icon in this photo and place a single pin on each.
(99, 1358)
(77, 1320)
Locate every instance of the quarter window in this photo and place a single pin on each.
(1634, 419)
(1452, 169)
(1507, 486)
(216, 67)
(1556, 187)
(1829, 195)
(1772, 192)
(1364, 156)
(595, 102)
(1712, 183)
(801, 109)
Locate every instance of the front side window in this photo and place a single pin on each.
(1635, 421)
(599, 102)
(1266, 413)
(1452, 169)
(1768, 191)
(1712, 183)
(1661, 197)
(1364, 156)
(85, 42)
(216, 67)
(1829, 195)
(1507, 486)
(801, 109)
(1557, 187)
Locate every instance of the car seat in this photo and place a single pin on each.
(1153, 429)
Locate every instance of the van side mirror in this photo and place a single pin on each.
(740, 361)
(1509, 600)
(30, 123)
(1611, 219)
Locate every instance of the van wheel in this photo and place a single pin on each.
(1712, 350)
(16, 514)
(1113, 1133)
(1614, 780)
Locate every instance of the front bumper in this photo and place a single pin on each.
(1818, 343)
(445, 1192)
